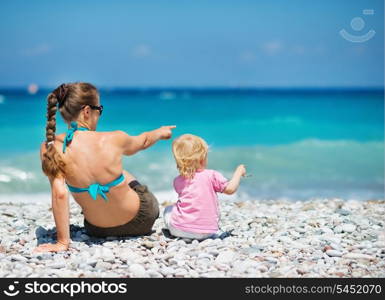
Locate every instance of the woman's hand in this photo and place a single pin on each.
(165, 132)
(51, 247)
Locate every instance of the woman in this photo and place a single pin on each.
(113, 202)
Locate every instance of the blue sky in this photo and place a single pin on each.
(264, 43)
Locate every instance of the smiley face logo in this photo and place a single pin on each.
(357, 24)
(12, 290)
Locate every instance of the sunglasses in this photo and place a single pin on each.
(99, 108)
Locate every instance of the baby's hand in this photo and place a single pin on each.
(241, 170)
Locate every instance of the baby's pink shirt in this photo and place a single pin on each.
(197, 208)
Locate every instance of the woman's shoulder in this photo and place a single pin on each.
(118, 136)
(59, 138)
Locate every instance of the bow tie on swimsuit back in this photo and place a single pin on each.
(94, 189)
(97, 189)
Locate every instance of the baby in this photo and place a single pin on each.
(196, 213)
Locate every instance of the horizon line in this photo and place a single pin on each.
(205, 88)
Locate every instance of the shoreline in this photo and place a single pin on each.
(270, 238)
(170, 196)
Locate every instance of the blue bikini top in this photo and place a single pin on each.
(94, 189)
(70, 134)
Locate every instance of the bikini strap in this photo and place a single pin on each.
(70, 134)
(96, 189)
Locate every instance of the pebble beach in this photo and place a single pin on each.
(269, 238)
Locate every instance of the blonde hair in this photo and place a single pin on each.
(189, 153)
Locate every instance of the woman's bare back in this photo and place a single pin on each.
(94, 157)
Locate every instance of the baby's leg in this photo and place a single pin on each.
(179, 233)
(167, 215)
(188, 235)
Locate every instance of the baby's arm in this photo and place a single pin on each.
(233, 184)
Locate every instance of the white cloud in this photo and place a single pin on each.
(140, 51)
(247, 56)
(272, 47)
(37, 50)
(298, 49)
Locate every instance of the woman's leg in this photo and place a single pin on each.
(148, 210)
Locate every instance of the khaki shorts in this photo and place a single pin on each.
(141, 224)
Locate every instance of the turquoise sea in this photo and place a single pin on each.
(296, 144)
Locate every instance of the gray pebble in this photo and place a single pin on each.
(348, 228)
(225, 257)
(343, 212)
(137, 270)
(334, 253)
